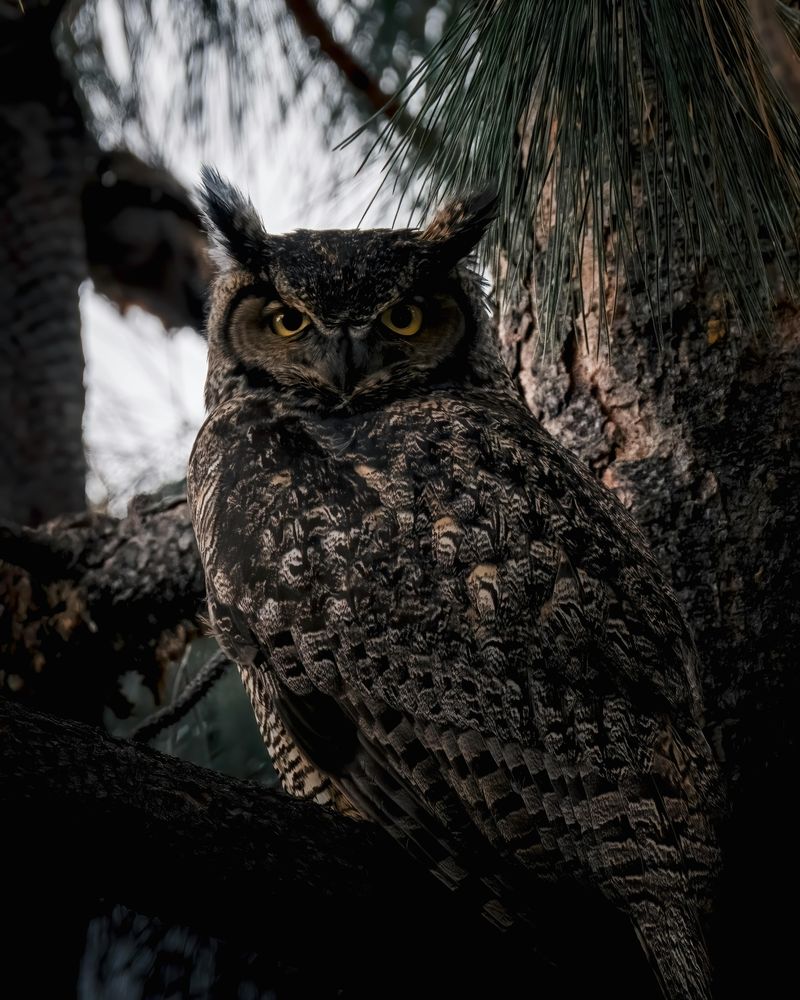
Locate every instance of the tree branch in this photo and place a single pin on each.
(312, 25)
(88, 816)
(171, 820)
(90, 597)
(145, 244)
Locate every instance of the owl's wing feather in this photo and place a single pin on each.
(321, 750)
(429, 822)
(492, 624)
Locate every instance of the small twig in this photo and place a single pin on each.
(194, 692)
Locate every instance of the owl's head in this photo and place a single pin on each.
(345, 319)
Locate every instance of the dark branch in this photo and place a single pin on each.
(171, 820)
(148, 557)
(89, 597)
(88, 816)
(312, 25)
(46, 555)
(145, 245)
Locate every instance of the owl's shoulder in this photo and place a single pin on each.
(534, 543)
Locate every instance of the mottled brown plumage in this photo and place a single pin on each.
(445, 624)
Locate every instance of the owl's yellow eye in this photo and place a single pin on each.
(288, 322)
(405, 319)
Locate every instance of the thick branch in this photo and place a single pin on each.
(114, 559)
(145, 244)
(87, 816)
(171, 820)
(87, 598)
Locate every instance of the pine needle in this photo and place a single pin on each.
(651, 126)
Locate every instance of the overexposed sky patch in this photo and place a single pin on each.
(144, 400)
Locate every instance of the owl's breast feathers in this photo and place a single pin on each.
(443, 593)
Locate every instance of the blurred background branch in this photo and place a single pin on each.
(314, 27)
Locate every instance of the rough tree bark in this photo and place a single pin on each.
(699, 440)
(46, 155)
(778, 46)
(86, 598)
(332, 902)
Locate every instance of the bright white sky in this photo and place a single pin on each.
(144, 388)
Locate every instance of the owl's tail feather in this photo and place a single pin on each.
(365, 776)
(385, 798)
(672, 937)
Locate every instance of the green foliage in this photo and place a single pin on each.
(651, 126)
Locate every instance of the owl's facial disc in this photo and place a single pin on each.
(344, 317)
(339, 357)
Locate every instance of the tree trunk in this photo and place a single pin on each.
(698, 441)
(46, 157)
(68, 212)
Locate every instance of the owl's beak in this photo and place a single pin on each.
(347, 360)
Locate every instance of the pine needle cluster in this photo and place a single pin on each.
(616, 131)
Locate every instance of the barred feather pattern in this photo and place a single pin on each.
(298, 775)
(445, 624)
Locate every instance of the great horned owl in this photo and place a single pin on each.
(445, 624)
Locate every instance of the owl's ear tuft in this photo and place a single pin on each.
(458, 226)
(232, 223)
